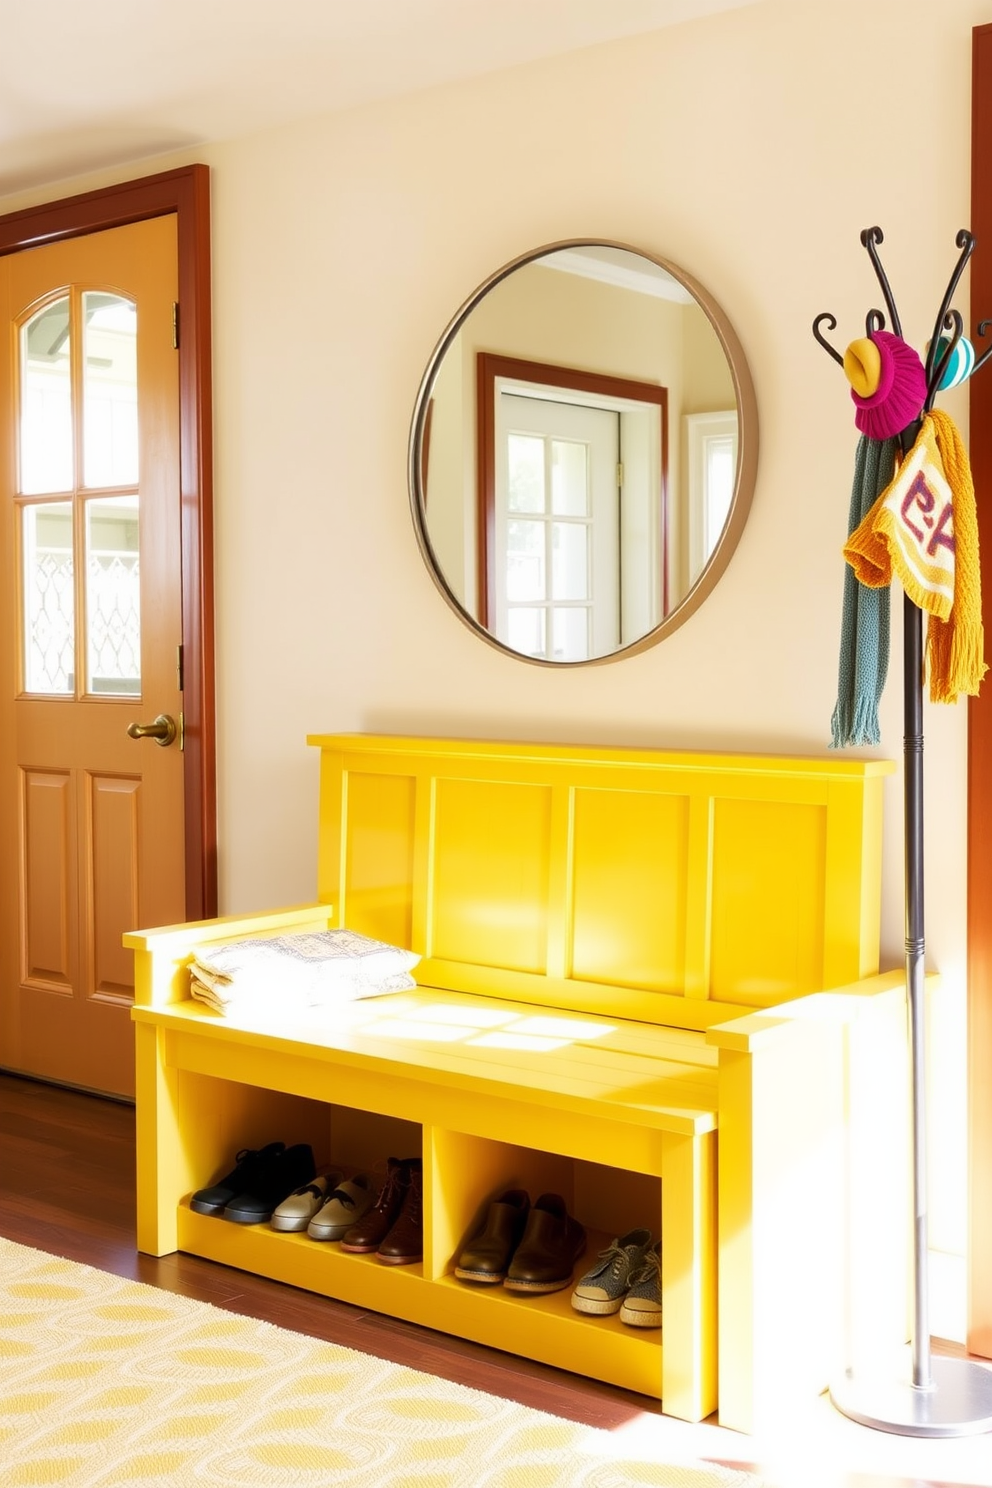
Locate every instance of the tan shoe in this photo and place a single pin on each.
(345, 1204)
(296, 1211)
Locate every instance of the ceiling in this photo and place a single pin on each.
(86, 84)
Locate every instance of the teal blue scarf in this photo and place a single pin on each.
(864, 634)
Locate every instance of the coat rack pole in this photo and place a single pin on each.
(943, 1397)
(915, 987)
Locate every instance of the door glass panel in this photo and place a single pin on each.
(49, 626)
(525, 473)
(46, 402)
(571, 635)
(113, 614)
(525, 564)
(569, 478)
(569, 560)
(525, 631)
(110, 390)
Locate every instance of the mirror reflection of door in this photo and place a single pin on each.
(90, 597)
(572, 531)
(557, 590)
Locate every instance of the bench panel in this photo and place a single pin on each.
(618, 881)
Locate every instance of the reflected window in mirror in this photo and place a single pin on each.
(550, 459)
(711, 449)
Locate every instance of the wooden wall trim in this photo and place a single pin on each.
(186, 192)
(979, 917)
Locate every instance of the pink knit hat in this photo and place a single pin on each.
(901, 391)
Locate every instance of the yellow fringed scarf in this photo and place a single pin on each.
(923, 530)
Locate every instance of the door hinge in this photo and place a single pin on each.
(179, 668)
(620, 476)
(175, 326)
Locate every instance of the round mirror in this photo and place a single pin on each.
(583, 453)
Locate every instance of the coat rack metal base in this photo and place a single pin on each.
(958, 1402)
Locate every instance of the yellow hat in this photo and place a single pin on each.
(863, 367)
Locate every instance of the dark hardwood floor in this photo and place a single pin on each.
(67, 1187)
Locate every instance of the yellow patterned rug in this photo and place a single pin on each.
(106, 1382)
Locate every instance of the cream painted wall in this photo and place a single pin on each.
(750, 148)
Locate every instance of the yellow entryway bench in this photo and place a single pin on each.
(648, 982)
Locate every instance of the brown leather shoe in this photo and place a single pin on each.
(546, 1256)
(405, 1241)
(367, 1234)
(487, 1255)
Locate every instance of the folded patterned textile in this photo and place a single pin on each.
(923, 530)
(316, 969)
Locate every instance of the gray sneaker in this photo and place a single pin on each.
(642, 1304)
(604, 1287)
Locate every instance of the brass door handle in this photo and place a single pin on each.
(164, 730)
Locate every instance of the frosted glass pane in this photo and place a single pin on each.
(570, 560)
(525, 561)
(113, 597)
(570, 632)
(525, 631)
(110, 390)
(49, 609)
(46, 402)
(569, 479)
(525, 473)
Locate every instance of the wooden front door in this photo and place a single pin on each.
(91, 599)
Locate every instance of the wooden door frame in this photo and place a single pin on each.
(980, 744)
(185, 192)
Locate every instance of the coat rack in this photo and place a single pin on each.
(942, 1397)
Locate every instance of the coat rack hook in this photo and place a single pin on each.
(874, 321)
(831, 321)
(966, 243)
(870, 239)
(982, 331)
(954, 323)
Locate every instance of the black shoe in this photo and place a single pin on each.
(286, 1171)
(249, 1168)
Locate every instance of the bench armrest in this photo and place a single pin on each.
(840, 1006)
(162, 955)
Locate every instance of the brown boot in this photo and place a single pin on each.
(405, 1241)
(366, 1235)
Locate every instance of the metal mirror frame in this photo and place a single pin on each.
(747, 455)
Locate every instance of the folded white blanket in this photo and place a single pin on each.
(311, 970)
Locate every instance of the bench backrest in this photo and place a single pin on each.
(669, 887)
